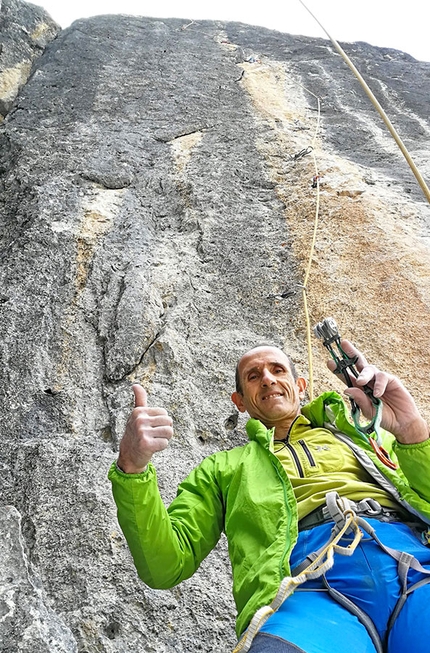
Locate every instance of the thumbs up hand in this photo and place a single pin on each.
(148, 430)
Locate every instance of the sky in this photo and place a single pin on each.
(401, 24)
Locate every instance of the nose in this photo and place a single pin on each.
(267, 378)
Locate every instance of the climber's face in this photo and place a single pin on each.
(268, 388)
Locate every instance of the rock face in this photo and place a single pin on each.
(157, 210)
(25, 32)
(30, 625)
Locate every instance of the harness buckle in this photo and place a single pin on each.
(369, 506)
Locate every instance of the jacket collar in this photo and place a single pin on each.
(259, 433)
(328, 407)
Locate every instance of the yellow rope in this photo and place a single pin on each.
(378, 107)
(311, 253)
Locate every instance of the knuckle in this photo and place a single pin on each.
(157, 410)
(146, 441)
(139, 413)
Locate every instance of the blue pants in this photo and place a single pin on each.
(310, 621)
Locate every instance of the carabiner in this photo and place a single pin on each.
(328, 332)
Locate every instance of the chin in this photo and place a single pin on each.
(273, 417)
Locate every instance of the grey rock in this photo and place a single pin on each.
(26, 623)
(155, 220)
(25, 31)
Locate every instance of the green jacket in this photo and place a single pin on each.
(246, 493)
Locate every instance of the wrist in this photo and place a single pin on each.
(413, 433)
(128, 467)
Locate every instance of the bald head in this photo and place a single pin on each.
(238, 377)
(269, 389)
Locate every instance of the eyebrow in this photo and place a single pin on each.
(256, 368)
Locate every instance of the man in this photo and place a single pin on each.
(268, 495)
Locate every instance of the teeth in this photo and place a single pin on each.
(278, 394)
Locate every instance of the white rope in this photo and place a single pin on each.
(322, 563)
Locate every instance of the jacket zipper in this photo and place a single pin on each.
(308, 453)
(295, 458)
(289, 519)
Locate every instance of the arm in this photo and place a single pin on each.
(168, 545)
(400, 417)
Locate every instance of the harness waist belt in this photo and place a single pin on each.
(365, 507)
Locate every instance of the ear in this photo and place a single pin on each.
(302, 384)
(237, 399)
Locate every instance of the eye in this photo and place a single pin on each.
(251, 377)
(278, 370)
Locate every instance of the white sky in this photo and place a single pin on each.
(400, 24)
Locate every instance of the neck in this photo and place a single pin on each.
(282, 429)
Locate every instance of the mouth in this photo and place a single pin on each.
(272, 395)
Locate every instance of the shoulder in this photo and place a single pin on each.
(226, 459)
(219, 468)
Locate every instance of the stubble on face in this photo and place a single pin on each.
(270, 392)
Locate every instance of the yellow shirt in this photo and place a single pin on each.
(316, 462)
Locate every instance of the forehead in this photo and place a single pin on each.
(261, 356)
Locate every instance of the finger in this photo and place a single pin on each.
(362, 400)
(163, 433)
(152, 419)
(160, 444)
(382, 379)
(161, 420)
(352, 351)
(378, 380)
(331, 365)
(367, 374)
(140, 396)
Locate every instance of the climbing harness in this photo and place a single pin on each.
(369, 507)
(322, 562)
(335, 508)
(328, 332)
(345, 515)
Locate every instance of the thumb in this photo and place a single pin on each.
(140, 396)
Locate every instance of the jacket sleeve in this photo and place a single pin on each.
(168, 545)
(414, 461)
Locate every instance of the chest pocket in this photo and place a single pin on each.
(321, 454)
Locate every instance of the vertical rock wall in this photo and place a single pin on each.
(25, 32)
(155, 222)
